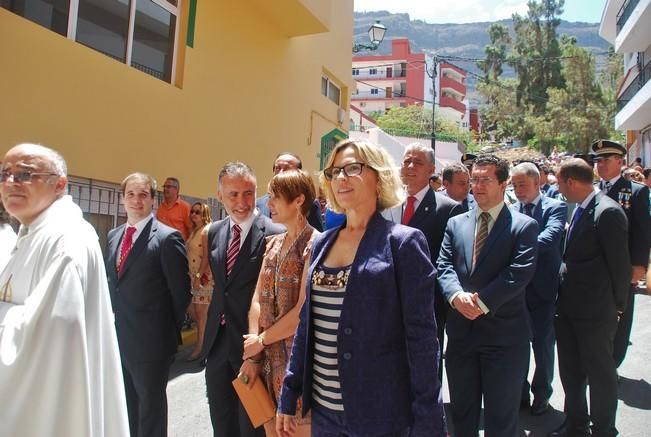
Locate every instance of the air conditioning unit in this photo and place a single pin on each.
(341, 115)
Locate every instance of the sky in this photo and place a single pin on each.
(469, 11)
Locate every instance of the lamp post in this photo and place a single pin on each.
(375, 34)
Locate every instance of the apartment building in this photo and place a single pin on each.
(625, 24)
(402, 79)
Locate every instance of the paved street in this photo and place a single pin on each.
(189, 417)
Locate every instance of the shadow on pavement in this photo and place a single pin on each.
(635, 393)
(532, 426)
(181, 367)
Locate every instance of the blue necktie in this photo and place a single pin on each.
(575, 219)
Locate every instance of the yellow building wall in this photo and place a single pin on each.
(246, 91)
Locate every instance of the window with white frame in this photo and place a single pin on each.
(330, 90)
(140, 33)
(355, 71)
(372, 71)
(374, 91)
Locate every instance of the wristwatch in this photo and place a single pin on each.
(261, 339)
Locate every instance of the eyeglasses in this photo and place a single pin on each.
(352, 169)
(482, 181)
(170, 186)
(194, 211)
(21, 177)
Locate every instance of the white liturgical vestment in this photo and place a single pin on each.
(60, 372)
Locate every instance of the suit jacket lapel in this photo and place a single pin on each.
(112, 251)
(143, 239)
(422, 212)
(468, 228)
(222, 237)
(576, 228)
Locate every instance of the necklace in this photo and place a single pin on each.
(281, 259)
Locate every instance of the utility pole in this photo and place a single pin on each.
(435, 61)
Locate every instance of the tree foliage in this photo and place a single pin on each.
(556, 99)
(416, 121)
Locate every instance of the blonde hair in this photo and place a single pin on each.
(389, 187)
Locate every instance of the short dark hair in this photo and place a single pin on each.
(577, 169)
(647, 172)
(450, 170)
(501, 166)
(435, 177)
(298, 158)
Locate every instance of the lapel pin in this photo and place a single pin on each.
(427, 208)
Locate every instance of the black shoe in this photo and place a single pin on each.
(539, 407)
(562, 431)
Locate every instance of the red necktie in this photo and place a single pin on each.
(409, 210)
(127, 243)
(233, 250)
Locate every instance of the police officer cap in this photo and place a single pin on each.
(468, 159)
(587, 157)
(602, 148)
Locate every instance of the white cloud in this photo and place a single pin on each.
(459, 11)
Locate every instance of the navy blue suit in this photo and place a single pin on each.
(487, 356)
(387, 351)
(542, 292)
(149, 300)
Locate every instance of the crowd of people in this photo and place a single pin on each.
(340, 300)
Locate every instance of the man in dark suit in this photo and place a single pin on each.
(543, 289)
(487, 258)
(456, 181)
(148, 280)
(236, 247)
(594, 281)
(634, 199)
(288, 161)
(428, 211)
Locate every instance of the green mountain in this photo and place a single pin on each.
(463, 40)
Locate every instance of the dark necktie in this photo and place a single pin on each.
(482, 234)
(233, 249)
(575, 219)
(528, 209)
(409, 210)
(606, 186)
(127, 244)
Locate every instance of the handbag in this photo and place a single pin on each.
(256, 401)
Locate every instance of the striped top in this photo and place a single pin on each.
(327, 298)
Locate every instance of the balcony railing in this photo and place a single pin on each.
(381, 94)
(451, 103)
(396, 75)
(625, 13)
(635, 86)
(448, 82)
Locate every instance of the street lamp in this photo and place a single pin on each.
(375, 34)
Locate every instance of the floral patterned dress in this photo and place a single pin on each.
(278, 288)
(194, 248)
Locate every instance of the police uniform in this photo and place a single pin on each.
(634, 200)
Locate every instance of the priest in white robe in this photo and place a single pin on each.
(60, 373)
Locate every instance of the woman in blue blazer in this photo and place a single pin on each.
(365, 354)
